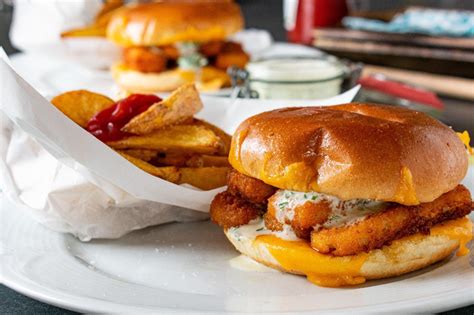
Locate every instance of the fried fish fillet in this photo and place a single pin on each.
(396, 222)
(246, 199)
(145, 59)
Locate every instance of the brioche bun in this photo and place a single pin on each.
(401, 256)
(351, 151)
(164, 23)
(133, 81)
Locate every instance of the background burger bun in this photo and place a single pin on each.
(133, 81)
(352, 151)
(401, 256)
(165, 23)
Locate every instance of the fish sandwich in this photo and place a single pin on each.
(346, 193)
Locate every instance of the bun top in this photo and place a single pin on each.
(351, 151)
(164, 23)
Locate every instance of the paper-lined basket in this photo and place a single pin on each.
(72, 182)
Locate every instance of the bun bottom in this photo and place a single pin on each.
(401, 256)
(139, 82)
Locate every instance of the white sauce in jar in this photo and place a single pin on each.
(296, 78)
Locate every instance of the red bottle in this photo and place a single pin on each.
(302, 16)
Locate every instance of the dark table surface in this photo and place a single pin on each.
(459, 114)
(13, 303)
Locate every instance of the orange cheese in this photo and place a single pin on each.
(331, 271)
(406, 193)
(464, 136)
(323, 270)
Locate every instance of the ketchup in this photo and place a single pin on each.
(106, 124)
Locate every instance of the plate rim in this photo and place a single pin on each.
(458, 298)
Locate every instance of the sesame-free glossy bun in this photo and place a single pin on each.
(351, 151)
(164, 23)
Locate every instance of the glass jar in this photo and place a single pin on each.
(296, 77)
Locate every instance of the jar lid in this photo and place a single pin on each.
(295, 70)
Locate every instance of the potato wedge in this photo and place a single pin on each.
(169, 173)
(194, 160)
(207, 160)
(225, 138)
(205, 178)
(142, 154)
(177, 138)
(81, 105)
(181, 105)
(172, 159)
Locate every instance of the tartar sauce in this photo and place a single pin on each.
(343, 212)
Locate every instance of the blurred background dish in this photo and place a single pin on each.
(167, 44)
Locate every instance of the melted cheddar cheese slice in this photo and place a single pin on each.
(331, 271)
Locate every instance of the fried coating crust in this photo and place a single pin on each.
(252, 189)
(305, 217)
(396, 222)
(211, 48)
(271, 222)
(226, 60)
(308, 215)
(231, 54)
(170, 51)
(145, 59)
(228, 210)
(229, 47)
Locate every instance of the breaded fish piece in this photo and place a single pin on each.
(305, 217)
(228, 210)
(145, 59)
(396, 222)
(252, 189)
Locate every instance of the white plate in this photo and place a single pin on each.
(186, 267)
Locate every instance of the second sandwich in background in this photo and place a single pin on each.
(168, 44)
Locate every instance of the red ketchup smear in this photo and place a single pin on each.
(106, 124)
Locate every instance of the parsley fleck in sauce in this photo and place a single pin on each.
(257, 227)
(343, 212)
